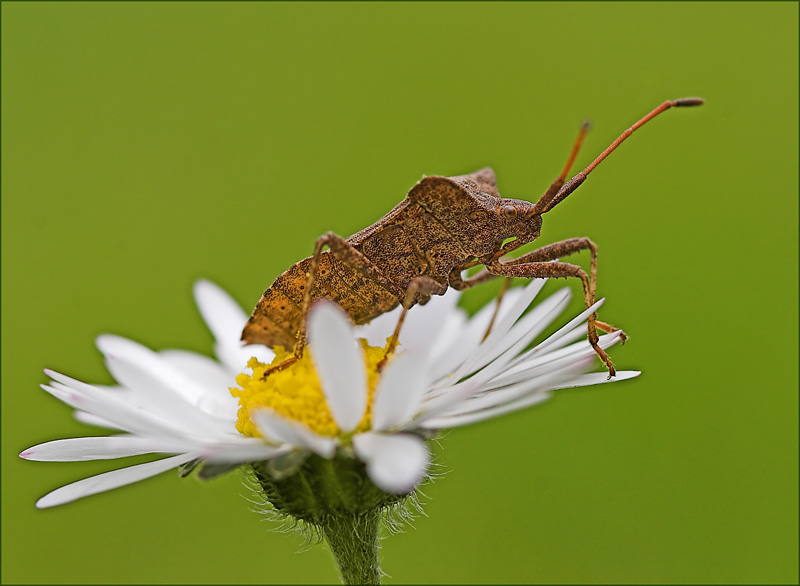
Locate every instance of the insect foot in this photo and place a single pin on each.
(285, 364)
(604, 327)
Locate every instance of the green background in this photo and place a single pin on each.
(147, 145)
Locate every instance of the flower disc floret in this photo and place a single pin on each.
(295, 392)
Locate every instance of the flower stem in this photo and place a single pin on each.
(353, 539)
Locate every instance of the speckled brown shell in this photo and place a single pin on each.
(442, 223)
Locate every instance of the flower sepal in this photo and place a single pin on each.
(284, 466)
(318, 488)
(203, 470)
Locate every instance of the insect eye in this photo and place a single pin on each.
(509, 212)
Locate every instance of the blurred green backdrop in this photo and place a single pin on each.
(146, 145)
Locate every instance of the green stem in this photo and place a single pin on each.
(353, 539)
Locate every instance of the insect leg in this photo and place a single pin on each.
(555, 270)
(536, 264)
(420, 284)
(458, 282)
(349, 256)
(352, 258)
(565, 248)
(503, 289)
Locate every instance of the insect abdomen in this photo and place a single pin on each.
(278, 315)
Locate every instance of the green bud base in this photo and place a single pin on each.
(337, 497)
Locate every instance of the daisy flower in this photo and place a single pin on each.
(333, 400)
(331, 440)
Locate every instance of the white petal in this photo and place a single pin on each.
(90, 419)
(571, 325)
(283, 431)
(550, 371)
(107, 406)
(226, 320)
(110, 480)
(563, 359)
(235, 355)
(502, 352)
(512, 393)
(339, 362)
(237, 454)
(400, 390)
(209, 377)
(450, 421)
(223, 315)
(423, 325)
(162, 398)
(145, 360)
(457, 348)
(598, 378)
(579, 332)
(446, 401)
(504, 322)
(451, 330)
(505, 336)
(380, 328)
(395, 462)
(532, 324)
(470, 347)
(594, 378)
(81, 449)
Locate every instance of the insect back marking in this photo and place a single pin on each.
(391, 251)
(417, 244)
(356, 294)
(464, 207)
(439, 250)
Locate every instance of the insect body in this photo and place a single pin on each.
(444, 226)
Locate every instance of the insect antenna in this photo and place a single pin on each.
(576, 147)
(553, 197)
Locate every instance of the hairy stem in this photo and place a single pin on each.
(353, 539)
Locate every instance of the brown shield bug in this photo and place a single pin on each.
(444, 226)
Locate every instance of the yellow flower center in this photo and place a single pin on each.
(295, 392)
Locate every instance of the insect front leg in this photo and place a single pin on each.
(349, 256)
(537, 264)
(565, 248)
(459, 283)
